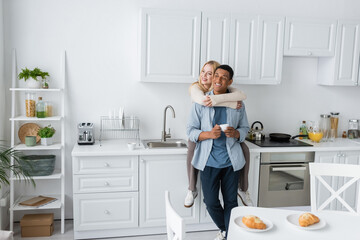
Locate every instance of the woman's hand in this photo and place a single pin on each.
(239, 105)
(232, 132)
(207, 101)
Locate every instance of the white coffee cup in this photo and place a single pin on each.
(131, 145)
(224, 126)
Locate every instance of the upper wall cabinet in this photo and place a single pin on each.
(215, 34)
(256, 49)
(243, 47)
(343, 69)
(170, 45)
(309, 37)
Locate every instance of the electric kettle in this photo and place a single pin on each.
(255, 133)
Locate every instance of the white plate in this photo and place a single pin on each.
(238, 222)
(293, 219)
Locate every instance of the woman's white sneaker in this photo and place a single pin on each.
(245, 198)
(189, 199)
(220, 235)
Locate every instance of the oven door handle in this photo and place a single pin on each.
(281, 169)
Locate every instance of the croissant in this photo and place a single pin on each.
(308, 219)
(253, 222)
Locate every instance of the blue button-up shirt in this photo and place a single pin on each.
(201, 119)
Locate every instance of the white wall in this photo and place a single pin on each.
(101, 41)
(2, 74)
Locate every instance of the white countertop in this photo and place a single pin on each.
(340, 144)
(119, 147)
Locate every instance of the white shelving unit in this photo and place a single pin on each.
(59, 174)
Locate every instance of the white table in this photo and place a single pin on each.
(338, 225)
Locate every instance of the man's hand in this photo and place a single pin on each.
(215, 133)
(232, 132)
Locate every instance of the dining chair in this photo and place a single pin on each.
(319, 170)
(175, 225)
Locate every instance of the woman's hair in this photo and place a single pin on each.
(214, 65)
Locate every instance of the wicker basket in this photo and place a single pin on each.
(38, 165)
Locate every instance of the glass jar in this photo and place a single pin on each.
(48, 109)
(30, 104)
(334, 121)
(40, 108)
(325, 126)
(353, 129)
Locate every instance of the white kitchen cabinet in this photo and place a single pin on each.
(170, 45)
(243, 45)
(346, 157)
(343, 69)
(17, 192)
(215, 34)
(309, 37)
(256, 49)
(105, 195)
(253, 177)
(105, 211)
(157, 174)
(270, 50)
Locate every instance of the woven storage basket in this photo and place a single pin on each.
(38, 165)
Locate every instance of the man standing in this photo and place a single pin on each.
(218, 154)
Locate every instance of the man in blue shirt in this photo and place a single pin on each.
(218, 154)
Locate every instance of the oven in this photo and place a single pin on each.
(284, 179)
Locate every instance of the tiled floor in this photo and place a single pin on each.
(69, 234)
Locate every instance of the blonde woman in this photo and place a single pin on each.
(233, 100)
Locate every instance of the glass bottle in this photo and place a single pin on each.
(30, 104)
(334, 120)
(344, 134)
(40, 108)
(303, 130)
(325, 126)
(48, 109)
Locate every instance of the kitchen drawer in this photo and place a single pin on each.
(105, 183)
(99, 165)
(105, 211)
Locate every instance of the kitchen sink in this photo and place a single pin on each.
(170, 143)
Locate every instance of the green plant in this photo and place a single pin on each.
(46, 132)
(6, 167)
(36, 72)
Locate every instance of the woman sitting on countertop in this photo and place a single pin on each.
(233, 100)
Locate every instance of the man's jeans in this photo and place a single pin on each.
(211, 180)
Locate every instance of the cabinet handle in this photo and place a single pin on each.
(106, 184)
(343, 155)
(106, 212)
(106, 165)
(282, 169)
(310, 53)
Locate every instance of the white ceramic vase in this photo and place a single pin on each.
(32, 83)
(46, 141)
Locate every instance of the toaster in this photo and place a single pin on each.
(86, 133)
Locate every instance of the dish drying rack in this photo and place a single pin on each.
(119, 128)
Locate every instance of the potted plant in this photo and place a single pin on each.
(17, 169)
(33, 77)
(46, 134)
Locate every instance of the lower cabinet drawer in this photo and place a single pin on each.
(105, 211)
(105, 183)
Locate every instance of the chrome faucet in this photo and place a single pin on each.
(165, 135)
